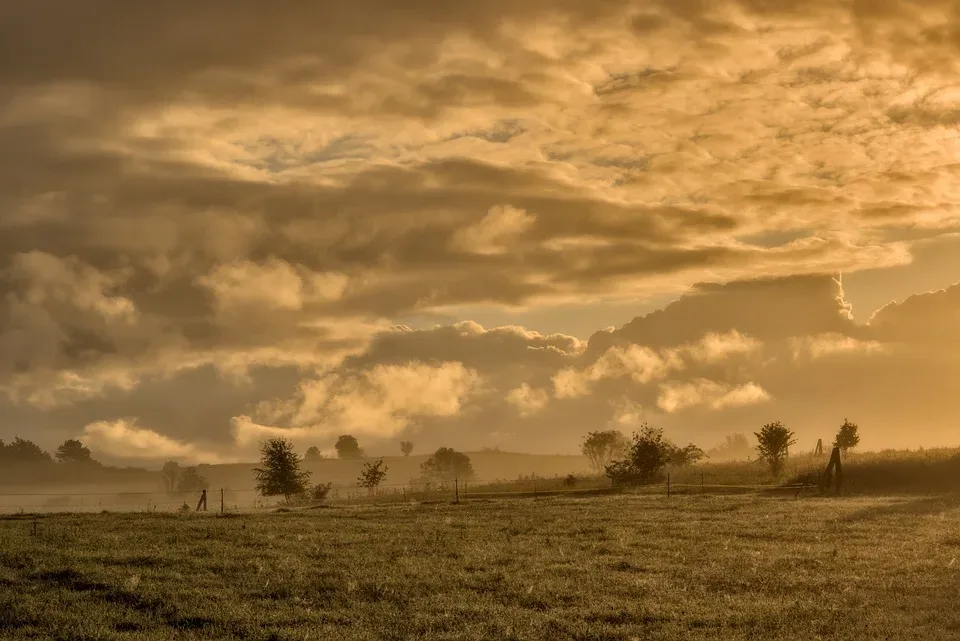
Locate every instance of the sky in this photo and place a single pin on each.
(476, 224)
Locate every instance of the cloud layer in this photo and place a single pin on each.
(211, 220)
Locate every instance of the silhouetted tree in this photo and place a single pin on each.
(73, 451)
(348, 448)
(648, 453)
(683, 456)
(406, 447)
(601, 448)
(191, 481)
(848, 436)
(447, 464)
(773, 445)
(281, 474)
(170, 472)
(312, 454)
(22, 451)
(372, 474)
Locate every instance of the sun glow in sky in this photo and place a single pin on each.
(476, 223)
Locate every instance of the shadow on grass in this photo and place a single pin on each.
(926, 506)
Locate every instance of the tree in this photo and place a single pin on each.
(73, 451)
(773, 445)
(406, 447)
(281, 474)
(848, 436)
(312, 454)
(191, 481)
(447, 464)
(372, 474)
(23, 451)
(648, 453)
(170, 472)
(601, 448)
(348, 448)
(683, 456)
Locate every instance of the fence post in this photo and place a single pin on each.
(701, 482)
(668, 483)
(221, 500)
(534, 487)
(456, 489)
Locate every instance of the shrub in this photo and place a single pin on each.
(320, 491)
(645, 459)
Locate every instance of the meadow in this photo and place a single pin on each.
(625, 566)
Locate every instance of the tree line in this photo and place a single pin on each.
(643, 458)
(281, 473)
(21, 451)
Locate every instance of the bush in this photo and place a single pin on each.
(320, 492)
(646, 457)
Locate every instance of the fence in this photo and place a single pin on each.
(249, 500)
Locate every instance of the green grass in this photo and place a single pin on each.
(611, 567)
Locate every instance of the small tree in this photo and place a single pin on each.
(281, 474)
(170, 472)
(601, 448)
(312, 454)
(348, 448)
(406, 447)
(848, 436)
(447, 464)
(320, 492)
(646, 457)
(683, 456)
(191, 481)
(372, 475)
(773, 445)
(73, 451)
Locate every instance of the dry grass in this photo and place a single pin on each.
(617, 567)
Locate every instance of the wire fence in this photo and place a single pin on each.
(249, 499)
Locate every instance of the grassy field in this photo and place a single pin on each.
(610, 567)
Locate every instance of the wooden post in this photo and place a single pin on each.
(456, 489)
(701, 482)
(668, 483)
(221, 500)
(834, 472)
(819, 450)
(534, 487)
(202, 503)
